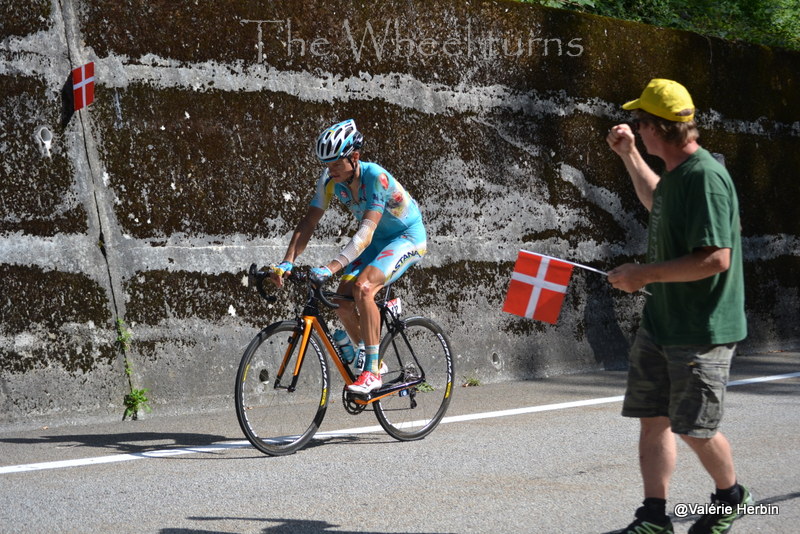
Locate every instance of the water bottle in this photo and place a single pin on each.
(345, 346)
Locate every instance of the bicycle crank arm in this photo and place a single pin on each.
(385, 391)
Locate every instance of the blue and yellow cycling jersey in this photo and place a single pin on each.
(380, 192)
(399, 240)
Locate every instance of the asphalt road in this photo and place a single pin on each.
(547, 468)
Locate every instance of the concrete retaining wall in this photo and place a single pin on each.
(195, 160)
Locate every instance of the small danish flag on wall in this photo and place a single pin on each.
(83, 85)
(538, 287)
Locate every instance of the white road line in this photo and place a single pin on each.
(60, 464)
(347, 432)
(759, 379)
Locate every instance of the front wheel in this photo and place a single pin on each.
(420, 350)
(276, 416)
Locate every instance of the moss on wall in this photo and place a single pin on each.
(206, 163)
(156, 296)
(38, 194)
(58, 319)
(763, 170)
(52, 298)
(771, 296)
(241, 163)
(23, 18)
(476, 42)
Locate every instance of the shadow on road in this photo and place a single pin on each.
(130, 442)
(275, 526)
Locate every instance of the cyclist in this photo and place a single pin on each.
(390, 238)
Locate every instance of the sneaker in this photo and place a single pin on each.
(640, 526)
(366, 383)
(721, 523)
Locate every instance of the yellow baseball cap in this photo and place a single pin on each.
(666, 99)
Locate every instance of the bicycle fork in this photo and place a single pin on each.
(305, 335)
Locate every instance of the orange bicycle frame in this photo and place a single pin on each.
(311, 323)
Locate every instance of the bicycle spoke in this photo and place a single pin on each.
(420, 350)
(275, 418)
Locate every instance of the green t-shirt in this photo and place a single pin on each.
(695, 205)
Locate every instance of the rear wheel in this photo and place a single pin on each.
(276, 418)
(419, 350)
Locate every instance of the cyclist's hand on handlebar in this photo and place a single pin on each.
(319, 275)
(283, 268)
(279, 272)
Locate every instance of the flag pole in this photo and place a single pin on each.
(598, 271)
(582, 266)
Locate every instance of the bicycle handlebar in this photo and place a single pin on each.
(315, 288)
(257, 277)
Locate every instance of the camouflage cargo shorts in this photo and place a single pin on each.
(683, 382)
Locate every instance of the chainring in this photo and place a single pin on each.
(349, 402)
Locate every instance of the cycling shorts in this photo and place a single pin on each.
(391, 256)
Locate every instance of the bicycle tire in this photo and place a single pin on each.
(414, 413)
(275, 420)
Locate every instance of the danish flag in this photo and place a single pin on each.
(83, 85)
(538, 287)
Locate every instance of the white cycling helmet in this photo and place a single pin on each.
(339, 141)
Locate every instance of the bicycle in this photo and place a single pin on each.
(283, 381)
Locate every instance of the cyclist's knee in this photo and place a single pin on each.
(365, 289)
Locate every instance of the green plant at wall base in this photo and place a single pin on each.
(137, 399)
(124, 336)
(134, 401)
(470, 381)
(425, 387)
